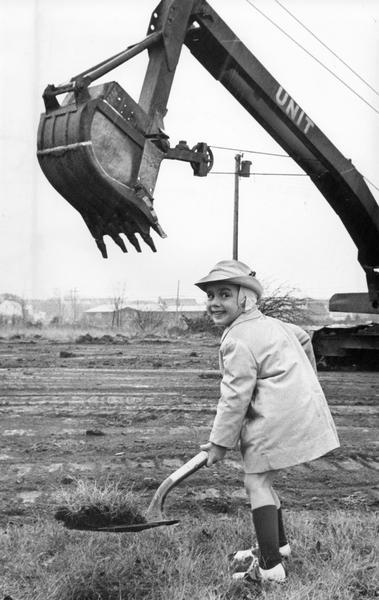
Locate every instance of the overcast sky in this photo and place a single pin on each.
(288, 232)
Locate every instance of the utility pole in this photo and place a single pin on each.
(177, 302)
(237, 159)
(74, 304)
(242, 169)
(177, 296)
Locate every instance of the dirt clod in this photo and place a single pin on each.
(65, 354)
(209, 375)
(84, 339)
(67, 480)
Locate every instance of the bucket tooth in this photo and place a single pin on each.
(148, 240)
(159, 229)
(134, 241)
(102, 247)
(120, 242)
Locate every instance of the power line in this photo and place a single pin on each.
(250, 151)
(282, 175)
(311, 55)
(370, 182)
(270, 154)
(278, 174)
(326, 46)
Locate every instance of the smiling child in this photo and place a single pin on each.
(271, 403)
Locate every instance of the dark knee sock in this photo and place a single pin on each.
(265, 519)
(282, 534)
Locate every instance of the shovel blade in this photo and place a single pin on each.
(137, 526)
(125, 528)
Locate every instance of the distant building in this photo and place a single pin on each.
(107, 316)
(137, 316)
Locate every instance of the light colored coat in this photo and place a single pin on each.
(271, 400)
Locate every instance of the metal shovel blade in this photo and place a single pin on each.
(137, 526)
(124, 528)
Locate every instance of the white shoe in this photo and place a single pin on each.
(285, 551)
(277, 574)
(252, 553)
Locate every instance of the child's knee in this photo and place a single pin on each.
(254, 483)
(258, 488)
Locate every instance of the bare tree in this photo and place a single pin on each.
(74, 304)
(284, 303)
(26, 311)
(118, 301)
(148, 321)
(17, 317)
(58, 308)
(162, 303)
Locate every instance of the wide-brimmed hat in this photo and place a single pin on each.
(232, 271)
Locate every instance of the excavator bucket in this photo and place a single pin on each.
(92, 148)
(102, 151)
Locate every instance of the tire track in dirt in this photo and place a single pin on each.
(153, 420)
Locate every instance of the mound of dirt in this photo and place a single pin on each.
(85, 339)
(96, 516)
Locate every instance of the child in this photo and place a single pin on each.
(271, 402)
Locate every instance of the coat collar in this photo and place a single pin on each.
(254, 313)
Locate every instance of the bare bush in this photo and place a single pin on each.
(147, 321)
(202, 324)
(284, 304)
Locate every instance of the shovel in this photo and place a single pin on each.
(154, 514)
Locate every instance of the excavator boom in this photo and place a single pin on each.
(106, 158)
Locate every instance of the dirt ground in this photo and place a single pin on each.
(134, 411)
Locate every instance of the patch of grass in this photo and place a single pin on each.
(91, 505)
(333, 559)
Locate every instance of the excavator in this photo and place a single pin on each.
(102, 150)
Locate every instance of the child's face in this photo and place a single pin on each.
(222, 304)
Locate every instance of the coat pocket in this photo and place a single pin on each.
(252, 413)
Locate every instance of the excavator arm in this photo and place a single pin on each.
(195, 24)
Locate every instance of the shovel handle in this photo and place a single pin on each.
(194, 464)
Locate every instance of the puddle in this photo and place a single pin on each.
(350, 464)
(29, 497)
(173, 463)
(11, 432)
(240, 495)
(51, 431)
(323, 465)
(82, 466)
(234, 464)
(23, 470)
(35, 468)
(208, 493)
(52, 468)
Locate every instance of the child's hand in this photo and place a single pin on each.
(215, 453)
